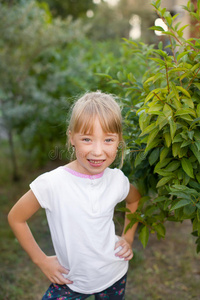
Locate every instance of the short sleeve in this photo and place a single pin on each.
(125, 185)
(41, 187)
(121, 185)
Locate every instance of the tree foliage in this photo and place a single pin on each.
(73, 8)
(163, 129)
(29, 40)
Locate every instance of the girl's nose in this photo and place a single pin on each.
(97, 149)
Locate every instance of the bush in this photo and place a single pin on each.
(162, 129)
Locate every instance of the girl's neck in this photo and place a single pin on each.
(73, 169)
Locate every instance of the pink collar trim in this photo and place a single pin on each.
(96, 176)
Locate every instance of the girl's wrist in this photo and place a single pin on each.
(38, 260)
(128, 240)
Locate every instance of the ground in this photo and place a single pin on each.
(168, 269)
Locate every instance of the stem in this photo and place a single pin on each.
(167, 77)
(139, 150)
(195, 75)
(158, 97)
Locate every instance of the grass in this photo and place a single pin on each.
(166, 269)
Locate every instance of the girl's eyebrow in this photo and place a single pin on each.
(107, 134)
(84, 134)
(111, 134)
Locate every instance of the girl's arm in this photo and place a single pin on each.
(132, 201)
(17, 217)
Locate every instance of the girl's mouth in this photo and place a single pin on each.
(96, 163)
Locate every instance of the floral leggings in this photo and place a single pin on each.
(63, 292)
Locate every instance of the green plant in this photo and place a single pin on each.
(29, 78)
(164, 150)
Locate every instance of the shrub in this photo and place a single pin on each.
(162, 130)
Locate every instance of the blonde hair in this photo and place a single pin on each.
(92, 105)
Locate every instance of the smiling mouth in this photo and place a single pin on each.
(96, 162)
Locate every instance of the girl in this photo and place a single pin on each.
(79, 199)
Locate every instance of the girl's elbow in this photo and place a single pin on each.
(10, 219)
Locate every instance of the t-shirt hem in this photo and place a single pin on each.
(77, 290)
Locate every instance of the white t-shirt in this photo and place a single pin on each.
(79, 211)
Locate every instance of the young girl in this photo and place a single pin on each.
(79, 199)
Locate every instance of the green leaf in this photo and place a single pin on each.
(144, 236)
(179, 204)
(185, 111)
(114, 81)
(159, 61)
(160, 199)
(123, 209)
(190, 134)
(149, 96)
(198, 177)
(164, 153)
(161, 121)
(167, 138)
(189, 209)
(188, 102)
(152, 136)
(120, 76)
(186, 117)
(173, 128)
(176, 149)
(103, 75)
(166, 204)
(164, 180)
(158, 28)
(196, 121)
(144, 120)
(153, 157)
(164, 173)
(150, 210)
(178, 138)
(175, 91)
(183, 53)
(187, 167)
(198, 110)
(153, 144)
(196, 225)
(156, 107)
(198, 215)
(162, 164)
(174, 165)
(142, 201)
(131, 77)
(194, 149)
(180, 88)
(185, 144)
(197, 84)
(169, 33)
(160, 229)
(167, 110)
(148, 129)
(139, 158)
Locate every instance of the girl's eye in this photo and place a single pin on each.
(109, 140)
(86, 140)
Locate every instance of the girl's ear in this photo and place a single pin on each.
(70, 137)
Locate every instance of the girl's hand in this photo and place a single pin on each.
(125, 250)
(51, 267)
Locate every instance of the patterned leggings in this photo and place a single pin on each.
(63, 292)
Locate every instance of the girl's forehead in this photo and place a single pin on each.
(94, 124)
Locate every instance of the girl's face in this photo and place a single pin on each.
(94, 151)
